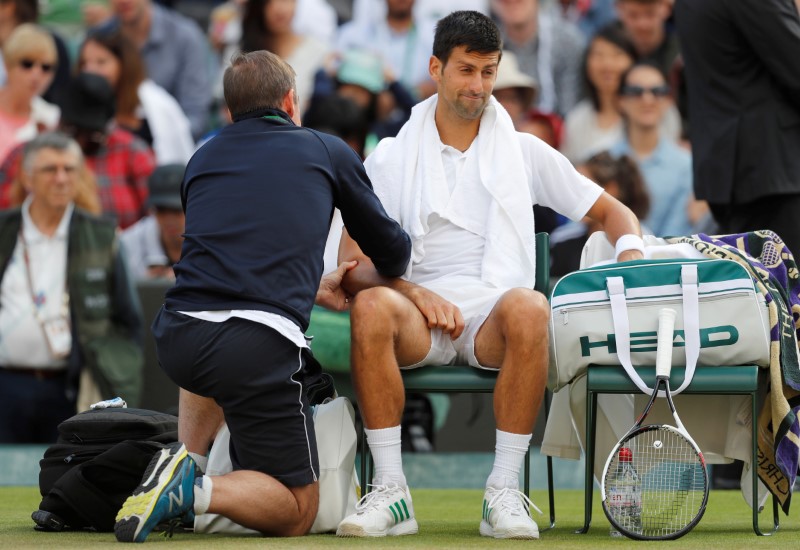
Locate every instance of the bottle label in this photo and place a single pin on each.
(625, 499)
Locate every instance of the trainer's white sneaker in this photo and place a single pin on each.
(384, 511)
(506, 515)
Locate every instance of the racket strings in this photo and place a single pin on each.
(672, 481)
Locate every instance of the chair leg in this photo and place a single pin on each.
(588, 487)
(775, 518)
(527, 485)
(365, 458)
(526, 475)
(775, 509)
(776, 521)
(371, 471)
(550, 497)
(550, 490)
(754, 472)
(550, 493)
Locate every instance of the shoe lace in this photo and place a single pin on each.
(174, 523)
(516, 502)
(378, 495)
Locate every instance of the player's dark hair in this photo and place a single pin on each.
(471, 29)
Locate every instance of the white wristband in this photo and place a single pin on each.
(628, 242)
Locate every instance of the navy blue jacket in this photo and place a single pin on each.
(259, 198)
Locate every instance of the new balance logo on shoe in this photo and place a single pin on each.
(166, 493)
(176, 500)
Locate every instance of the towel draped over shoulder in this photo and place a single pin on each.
(493, 198)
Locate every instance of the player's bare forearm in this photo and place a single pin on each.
(438, 312)
(364, 275)
(617, 220)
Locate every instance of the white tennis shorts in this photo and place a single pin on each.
(475, 309)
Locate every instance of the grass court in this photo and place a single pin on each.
(448, 518)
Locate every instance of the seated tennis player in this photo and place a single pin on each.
(462, 182)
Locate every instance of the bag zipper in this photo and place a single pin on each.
(76, 439)
(643, 302)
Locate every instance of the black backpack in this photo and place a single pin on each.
(97, 462)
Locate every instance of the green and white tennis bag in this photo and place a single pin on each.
(608, 315)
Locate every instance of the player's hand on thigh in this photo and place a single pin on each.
(438, 312)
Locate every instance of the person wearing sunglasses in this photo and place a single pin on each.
(644, 98)
(595, 123)
(30, 57)
(14, 13)
(120, 162)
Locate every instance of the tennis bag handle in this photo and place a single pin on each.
(691, 326)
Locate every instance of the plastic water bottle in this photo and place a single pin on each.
(625, 495)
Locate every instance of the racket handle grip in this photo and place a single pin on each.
(666, 331)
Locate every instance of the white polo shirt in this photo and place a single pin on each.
(22, 339)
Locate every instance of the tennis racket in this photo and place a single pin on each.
(655, 483)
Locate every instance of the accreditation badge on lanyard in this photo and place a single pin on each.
(58, 334)
(56, 327)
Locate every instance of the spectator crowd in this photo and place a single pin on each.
(137, 86)
(151, 139)
(361, 66)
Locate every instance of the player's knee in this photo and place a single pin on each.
(525, 307)
(299, 528)
(373, 307)
(307, 499)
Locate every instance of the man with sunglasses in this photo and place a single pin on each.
(666, 167)
(743, 75)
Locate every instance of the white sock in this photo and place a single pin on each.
(509, 455)
(385, 447)
(200, 460)
(202, 494)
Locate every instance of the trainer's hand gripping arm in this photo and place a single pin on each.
(330, 294)
(439, 312)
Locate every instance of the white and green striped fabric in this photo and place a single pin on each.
(608, 315)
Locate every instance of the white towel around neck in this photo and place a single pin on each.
(493, 199)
